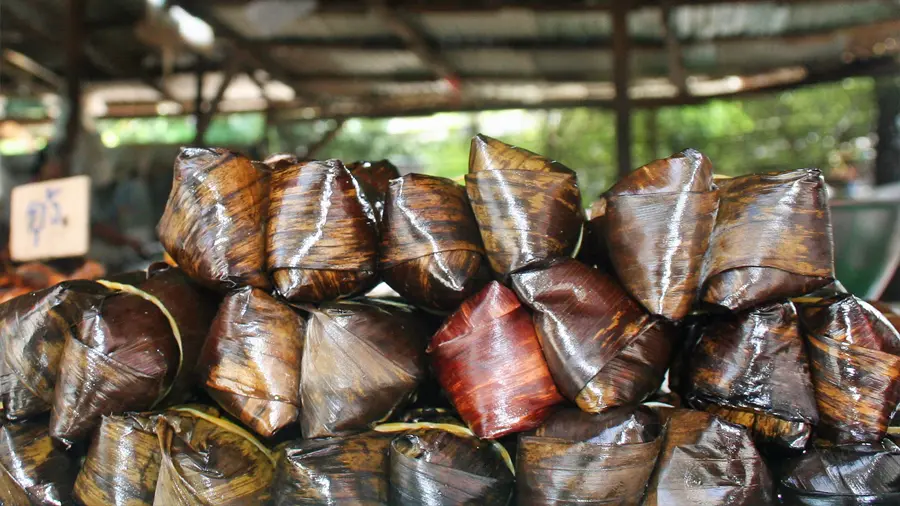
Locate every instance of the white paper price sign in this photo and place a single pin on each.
(50, 219)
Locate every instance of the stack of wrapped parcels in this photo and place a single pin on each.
(686, 345)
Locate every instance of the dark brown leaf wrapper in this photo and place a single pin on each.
(349, 470)
(658, 221)
(124, 354)
(772, 239)
(33, 332)
(122, 464)
(706, 461)
(438, 468)
(594, 250)
(584, 459)
(843, 476)
(374, 178)
(756, 361)
(32, 471)
(214, 222)
(208, 461)
(528, 208)
(603, 349)
(855, 363)
(321, 235)
(251, 360)
(488, 359)
(431, 251)
(362, 361)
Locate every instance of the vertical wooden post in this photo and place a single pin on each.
(75, 40)
(620, 78)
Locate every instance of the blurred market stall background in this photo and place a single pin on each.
(115, 88)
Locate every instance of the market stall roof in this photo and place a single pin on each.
(335, 58)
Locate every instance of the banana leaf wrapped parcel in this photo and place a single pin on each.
(214, 222)
(250, 363)
(431, 251)
(122, 463)
(754, 366)
(33, 472)
(321, 233)
(488, 359)
(840, 476)
(363, 360)
(209, 461)
(603, 349)
(772, 240)
(658, 221)
(528, 207)
(374, 178)
(343, 470)
(706, 461)
(581, 458)
(136, 348)
(855, 363)
(33, 332)
(445, 465)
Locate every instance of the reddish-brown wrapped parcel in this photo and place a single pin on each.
(250, 363)
(603, 349)
(431, 250)
(321, 235)
(772, 239)
(488, 359)
(214, 222)
(528, 207)
(658, 220)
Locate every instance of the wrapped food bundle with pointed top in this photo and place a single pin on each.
(772, 240)
(122, 463)
(657, 225)
(855, 363)
(346, 470)
(321, 235)
(528, 207)
(431, 251)
(209, 461)
(134, 349)
(214, 223)
(33, 332)
(32, 471)
(441, 467)
(488, 359)
(362, 361)
(250, 363)
(753, 368)
(374, 178)
(706, 461)
(581, 458)
(840, 476)
(603, 349)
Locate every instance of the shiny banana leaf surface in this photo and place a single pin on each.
(34, 328)
(321, 233)
(363, 361)
(374, 178)
(585, 459)
(33, 472)
(756, 361)
(528, 208)
(213, 226)
(488, 359)
(843, 476)
(772, 239)
(706, 461)
(251, 360)
(855, 363)
(603, 349)
(658, 221)
(431, 251)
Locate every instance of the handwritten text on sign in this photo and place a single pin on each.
(50, 219)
